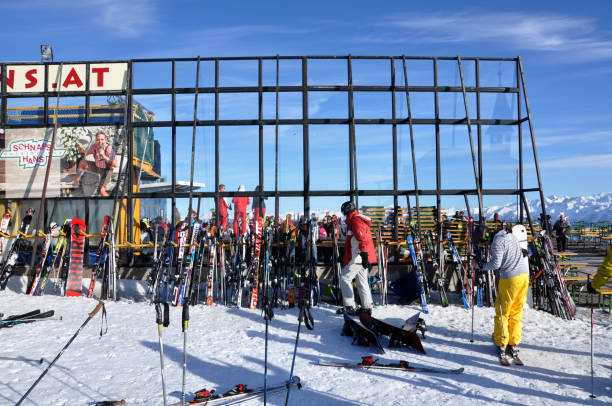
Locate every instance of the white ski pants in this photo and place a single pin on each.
(360, 274)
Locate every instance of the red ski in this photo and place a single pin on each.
(257, 237)
(77, 252)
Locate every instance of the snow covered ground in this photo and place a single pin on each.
(226, 347)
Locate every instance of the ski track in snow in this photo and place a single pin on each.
(226, 347)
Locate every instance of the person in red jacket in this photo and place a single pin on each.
(224, 206)
(240, 205)
(358, 255)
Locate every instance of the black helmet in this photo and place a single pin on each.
(347, 208)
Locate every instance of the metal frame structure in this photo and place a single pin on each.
(305, 88)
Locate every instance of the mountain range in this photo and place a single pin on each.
(590, 209)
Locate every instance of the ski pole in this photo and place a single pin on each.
(160, 321)
(592, 396)
(185, 326)
(99, 306)
(297, 338)
(39, 361)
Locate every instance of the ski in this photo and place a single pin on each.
(26, 319)
(77, 253)
(4, 225)
(181, 239)
(60, 251)
(255, 262)
(43, 263)
(461, 272)
(369, 363)
(240, 393)
(419, 273)
(100, 255)
(13, 252)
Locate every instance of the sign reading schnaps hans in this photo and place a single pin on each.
(31, 152)
(31, 78)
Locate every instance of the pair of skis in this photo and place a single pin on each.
(371, 363)
(240, 393)
(28, 317)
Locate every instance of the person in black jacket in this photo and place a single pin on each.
(259, 206)
(562, 228)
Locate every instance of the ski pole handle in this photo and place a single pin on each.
(96, 310)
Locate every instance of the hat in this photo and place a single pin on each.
(241, 188)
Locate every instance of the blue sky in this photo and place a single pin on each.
(566, 49)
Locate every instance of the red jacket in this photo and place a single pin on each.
(240, 204)
(223, 206)
(358, 238)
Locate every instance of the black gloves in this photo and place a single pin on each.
(364, 259)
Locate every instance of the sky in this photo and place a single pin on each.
(566, 49)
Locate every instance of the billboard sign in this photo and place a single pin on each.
(85, 161)
(31, 78)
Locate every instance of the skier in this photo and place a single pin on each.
(513, 276)
(224, 206)
(604, 272)
(240, 205)
(259, 206)
(358, 254)
(562, 228)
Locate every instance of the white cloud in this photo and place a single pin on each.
(123, 18)
(600, 161)
(521, 31)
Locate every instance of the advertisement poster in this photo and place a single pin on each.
(85, 161)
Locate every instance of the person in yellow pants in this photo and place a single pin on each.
(604, 272)
(513, 276)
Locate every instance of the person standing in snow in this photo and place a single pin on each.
(562, 228)
(513, 280)
(604, 272)
(358, 255)
(259, 206)
(240, 206)
(224, 206)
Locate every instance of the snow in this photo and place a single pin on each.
(595, 208)
(226, 346)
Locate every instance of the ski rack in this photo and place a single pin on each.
(470, 87)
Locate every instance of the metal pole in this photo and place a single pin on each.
(469, 128)
(187, 298)
(41, 211)
(533, 145)
(217, 196)
(520, 137)
(173, 216)
(261, 137)
(394, 141)
(352, 140)
(414, 170)
(276, 196)
(305, 138)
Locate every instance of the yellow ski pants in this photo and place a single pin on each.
(604, 272)
(513, 294)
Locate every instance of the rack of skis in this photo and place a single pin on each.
(275, 265)
(278, 264)
(61, 258)
(436, 263)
